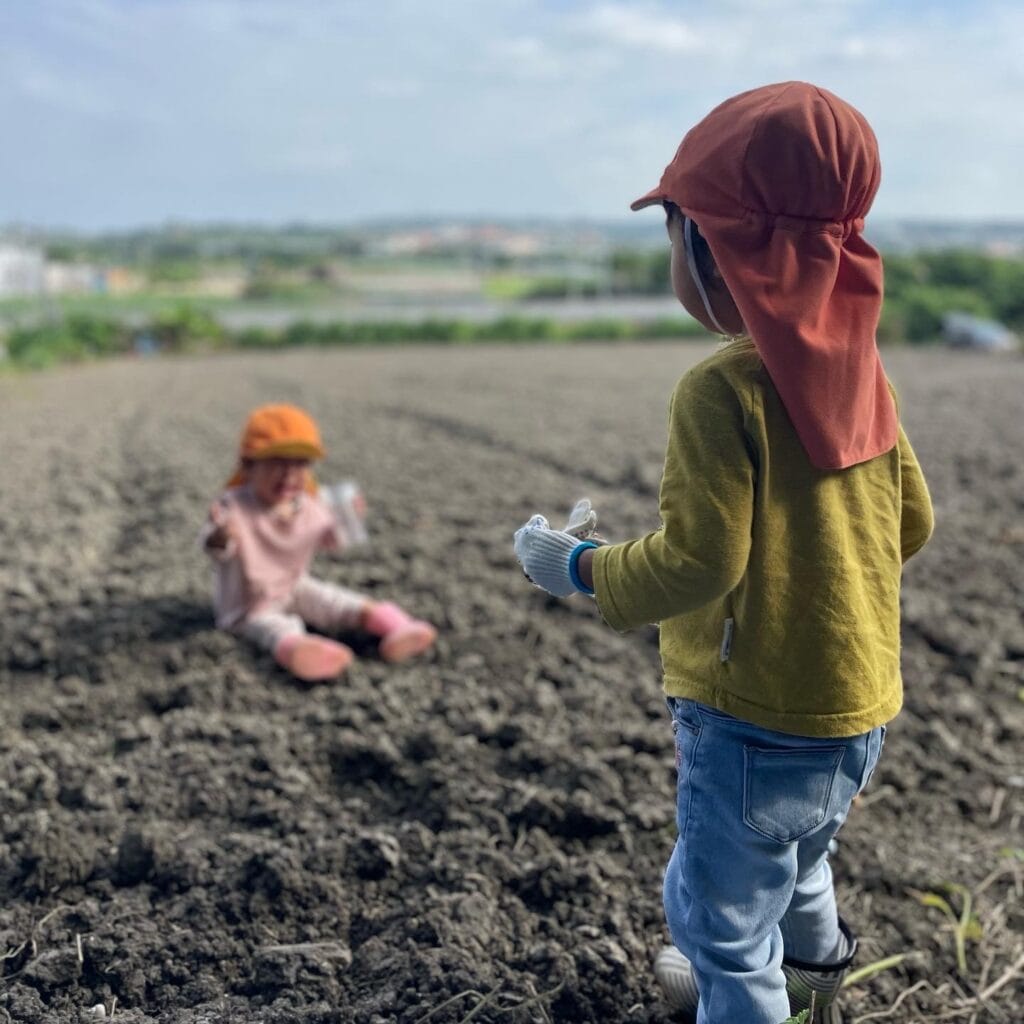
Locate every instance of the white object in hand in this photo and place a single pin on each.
(344, 500)
(544, 555)
(582, 520)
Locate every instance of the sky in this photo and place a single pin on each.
(122, 113)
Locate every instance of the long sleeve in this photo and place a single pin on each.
(700, 552)
(224, 554)
(917, 519)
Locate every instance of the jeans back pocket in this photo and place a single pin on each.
(787, 792)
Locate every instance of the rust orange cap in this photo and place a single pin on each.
(779, 180)
(280, 431)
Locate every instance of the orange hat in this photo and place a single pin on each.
(779, 180)
(277, 431)
(280, 431)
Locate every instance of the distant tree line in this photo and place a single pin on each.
(187, 244)
(919, 288)
(181, 255)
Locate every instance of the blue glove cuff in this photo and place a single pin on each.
(574, 571)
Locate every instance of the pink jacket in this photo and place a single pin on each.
(268, 553)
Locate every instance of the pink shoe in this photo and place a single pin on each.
(401, 636)
(408, 641)
(313, 658)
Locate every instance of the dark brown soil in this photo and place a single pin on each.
(480, 835)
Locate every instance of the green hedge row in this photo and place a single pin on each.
(79, 337)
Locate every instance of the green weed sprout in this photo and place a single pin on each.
(870, 970)
(965, 926)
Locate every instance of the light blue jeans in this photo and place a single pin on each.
(749, 876)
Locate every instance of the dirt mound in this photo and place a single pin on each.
(479, 835)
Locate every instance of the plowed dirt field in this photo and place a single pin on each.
(479, 835)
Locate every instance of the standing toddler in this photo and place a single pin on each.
(790, 500)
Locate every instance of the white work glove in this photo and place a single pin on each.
(548, 557)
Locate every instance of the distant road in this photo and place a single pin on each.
(414, 308)
(624, 308)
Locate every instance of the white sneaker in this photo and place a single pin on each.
(675, 975)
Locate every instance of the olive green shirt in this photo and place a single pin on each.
(776, 584)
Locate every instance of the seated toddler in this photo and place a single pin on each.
(262, 533)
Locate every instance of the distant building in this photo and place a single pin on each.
(25, 271)
(121, 281)
(71, 278)
(22, 270)
(962, 330)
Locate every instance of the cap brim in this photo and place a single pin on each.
(289, 450)
(652, 198)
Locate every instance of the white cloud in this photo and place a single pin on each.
(865, 48)
(642, 28)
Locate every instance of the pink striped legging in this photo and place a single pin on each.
(324, 606)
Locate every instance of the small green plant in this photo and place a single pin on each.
(803, 1017)
(966, 925)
